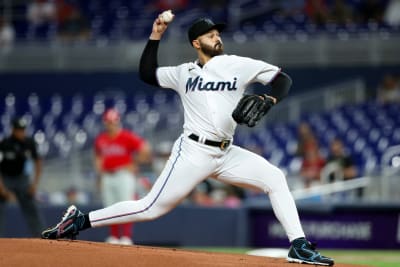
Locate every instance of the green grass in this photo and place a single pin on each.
(375, 258)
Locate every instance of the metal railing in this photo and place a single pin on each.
(383, 186)
(389, 180)
(327, 191)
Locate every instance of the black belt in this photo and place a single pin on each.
(221, 144)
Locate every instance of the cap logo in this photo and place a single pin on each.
(201, 26)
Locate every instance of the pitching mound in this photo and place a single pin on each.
(46, 253)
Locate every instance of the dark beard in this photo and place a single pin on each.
(210, 51)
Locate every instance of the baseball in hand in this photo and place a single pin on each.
(167, 16)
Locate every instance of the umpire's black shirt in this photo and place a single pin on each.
(14, 153)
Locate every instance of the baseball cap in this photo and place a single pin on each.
(203, 25)
(19, 123)
(111, 115)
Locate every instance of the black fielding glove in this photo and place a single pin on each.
(251, 108)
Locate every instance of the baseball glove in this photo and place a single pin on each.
(251, 108)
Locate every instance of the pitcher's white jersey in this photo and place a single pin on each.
(210, 93)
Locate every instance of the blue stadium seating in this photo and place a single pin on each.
(61, 124)
(132, 20)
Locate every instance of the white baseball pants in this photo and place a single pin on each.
(189, 164)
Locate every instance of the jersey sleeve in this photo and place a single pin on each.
(259, 71)
(267, 76)
(136, 142)
(167, 77)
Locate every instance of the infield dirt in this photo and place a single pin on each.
(65, 253)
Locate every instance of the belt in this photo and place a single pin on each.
(224, 144)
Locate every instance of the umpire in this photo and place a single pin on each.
(16, 180)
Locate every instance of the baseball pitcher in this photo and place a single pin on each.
(212, 89)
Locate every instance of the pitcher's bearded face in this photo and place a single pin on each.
(212, 50)
(211, 43)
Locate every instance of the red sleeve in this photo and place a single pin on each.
(136, 142)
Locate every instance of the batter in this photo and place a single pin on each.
(210, 88)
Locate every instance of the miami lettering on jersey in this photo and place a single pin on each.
(197, 83)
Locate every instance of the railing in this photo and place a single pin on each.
(75, 171)
(381, 187)
(327, 190)
(390, 174)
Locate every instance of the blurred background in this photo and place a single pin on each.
(337, 136)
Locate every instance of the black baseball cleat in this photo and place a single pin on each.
(302, 251)
(68, 227)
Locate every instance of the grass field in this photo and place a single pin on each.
(376, 258)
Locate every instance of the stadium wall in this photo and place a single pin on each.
(87, 83)
(332, 226)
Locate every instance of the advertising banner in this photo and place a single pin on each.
(347, 228)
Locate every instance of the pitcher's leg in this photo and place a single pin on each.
(176, 181)
(188, 165)
(247, 169)
(285, 208)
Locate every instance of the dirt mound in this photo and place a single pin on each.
(46, 253)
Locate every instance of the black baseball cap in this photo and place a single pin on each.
(203, 25)
(19, 123)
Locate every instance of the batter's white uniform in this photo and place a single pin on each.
(209, 94)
